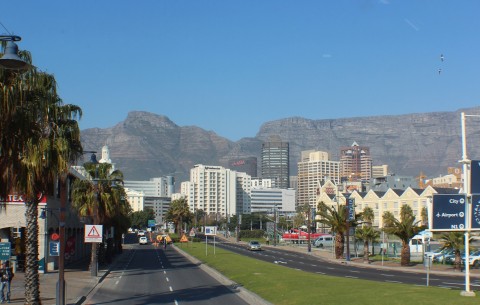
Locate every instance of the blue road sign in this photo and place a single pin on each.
(5, 251)
(448, 212)
(351, 208)
(475, 177)
(54, 248)
(475, 219)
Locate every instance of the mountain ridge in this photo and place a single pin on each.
(147, 145)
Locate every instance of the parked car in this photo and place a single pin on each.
(440, 257)
(324, 241)
(474, 259)
(254, 245)
(143, 240)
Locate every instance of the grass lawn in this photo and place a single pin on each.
(281, 285)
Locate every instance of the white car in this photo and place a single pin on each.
(143, 240)
(141, 233)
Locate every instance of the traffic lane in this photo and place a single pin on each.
(152, 275)
(314, 264)
(194, 286)
(138, 280)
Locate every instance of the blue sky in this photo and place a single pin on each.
(229, 66)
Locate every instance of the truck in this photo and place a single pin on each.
(297, 236)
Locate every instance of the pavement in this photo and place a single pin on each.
(80, 283)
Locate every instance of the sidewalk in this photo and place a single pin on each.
(358, 261)
(78, 281)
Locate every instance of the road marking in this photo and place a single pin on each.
(320, 272)
(171, 289)
(164, 272)
(446, 287)
(116, 283)
(393, 282)
(351, 277)
(331, 268)
(447, 283)
(176, 303)
(386, 274)
(167, 279)
(355, 271)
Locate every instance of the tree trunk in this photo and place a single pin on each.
(32, 279)
(339, 246)
(365, 251)
(458, 261)
(405, 256)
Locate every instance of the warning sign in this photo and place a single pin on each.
(184, 239)
(93, 233)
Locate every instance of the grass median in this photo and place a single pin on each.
(282, 285)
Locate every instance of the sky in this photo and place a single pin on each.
(229, 66)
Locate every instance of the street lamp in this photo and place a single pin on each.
(10, 59)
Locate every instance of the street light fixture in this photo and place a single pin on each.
(10, 59)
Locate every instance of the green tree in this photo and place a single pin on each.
(102, 198)
(178, 213)
(455, 241)
(404, 228)
(139, 219)
(336, 220)
(39, 137)
(366, 234)
(368, 216)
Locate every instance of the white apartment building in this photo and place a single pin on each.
(266, 183)
(136, 199)
(266, 199)
(379, 171)
(155, 187)
(214, 189)
(313, 168)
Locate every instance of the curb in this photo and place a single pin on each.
(243, 293)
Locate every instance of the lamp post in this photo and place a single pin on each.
(94, 262)
(10, 59)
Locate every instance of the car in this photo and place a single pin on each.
(141, 233)
(441, 257)
(143, 240)
(323, 241)
(474, 259)
(254, 245)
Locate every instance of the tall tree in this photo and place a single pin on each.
(366, 234)
(39, 137)
(368, 216)
(101, 197)
(336, 220)
(404, 228)
(178, 213)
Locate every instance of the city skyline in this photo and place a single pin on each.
(217, 64)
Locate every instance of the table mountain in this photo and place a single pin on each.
(148, 145)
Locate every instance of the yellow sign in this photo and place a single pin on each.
(169, 240)
(184, 239)
(159, 237)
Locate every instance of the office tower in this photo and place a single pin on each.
(275, 162)
(356, 163)
(313, 169)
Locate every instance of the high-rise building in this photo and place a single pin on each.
(275, 163)
(246, 165)
(155, 187)
(356, 163)
(313, 168)
(214, 189)
(268, 199)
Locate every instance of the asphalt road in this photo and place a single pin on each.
(150, 275)
(318, 265)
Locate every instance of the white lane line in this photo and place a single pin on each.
(386, 274)
(355, 271)
(351, 277)
(171, 289)
(320, 272)
(331, 268)
(393, 281)
(116, 283)
(447, 287)
(167, 279)
(176, 303)
(447, 283)
(164, 272)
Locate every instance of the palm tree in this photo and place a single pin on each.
(39, 137)
(455, 241)
(405, 229)
(368, 216)
(336, 219)
(366, 234)
(179, 213)
(103, 199)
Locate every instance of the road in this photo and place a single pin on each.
(150, 275)
(315, 264)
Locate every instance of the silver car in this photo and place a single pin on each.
(254, 245)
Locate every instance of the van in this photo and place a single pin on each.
(324, 241)
(420, 242)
